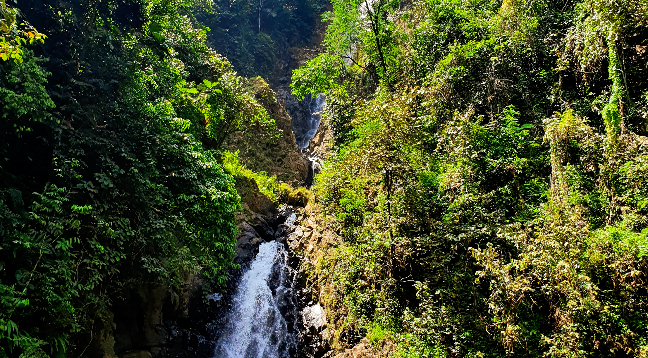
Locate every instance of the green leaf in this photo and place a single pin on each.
(155, 27)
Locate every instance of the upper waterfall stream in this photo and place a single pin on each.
(315, 106)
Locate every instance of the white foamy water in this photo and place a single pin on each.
(256, 326)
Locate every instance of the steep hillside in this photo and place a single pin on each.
(482, 186)
(260, 37)
(486, 191)
(113, 203)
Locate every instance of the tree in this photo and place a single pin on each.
(118, 193)
(364, 32)
(14, 35)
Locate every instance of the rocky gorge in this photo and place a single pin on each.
(169, 307)
(189, 322)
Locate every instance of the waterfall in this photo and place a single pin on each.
(262, 319)
(315, 106)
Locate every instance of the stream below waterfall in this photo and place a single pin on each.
(263, 317)
(257, 325)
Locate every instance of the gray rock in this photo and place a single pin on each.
(246, 232)
(282, 232)
(246, 242)
(263, 228)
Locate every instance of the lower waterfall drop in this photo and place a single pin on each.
(262, 319)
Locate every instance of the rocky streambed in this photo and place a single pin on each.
(267, 310)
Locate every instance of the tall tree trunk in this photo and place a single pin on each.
(260, 4)
(375, 18)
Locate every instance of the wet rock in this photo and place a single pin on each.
(285, 215)
(246, 232)
(247, 240)
(299, 112)
(265, 231)
(315, 335)
(137, 354)
(282, 232)
(295, 242)
(275, 219)
(319, 147)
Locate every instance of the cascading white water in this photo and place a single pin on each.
(316, 105)
(256, 323)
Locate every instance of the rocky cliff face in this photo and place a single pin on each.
(279, 157)
(299, 111)
(310, 242)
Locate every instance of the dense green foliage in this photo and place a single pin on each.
(14, 34)
(268, 185)
(256, 35)
(109, 177)
(489, 178)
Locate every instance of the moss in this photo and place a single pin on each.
(611, 112)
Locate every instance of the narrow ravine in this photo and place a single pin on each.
(263, 318)
(267, 314)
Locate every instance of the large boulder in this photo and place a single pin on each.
(247, 241)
